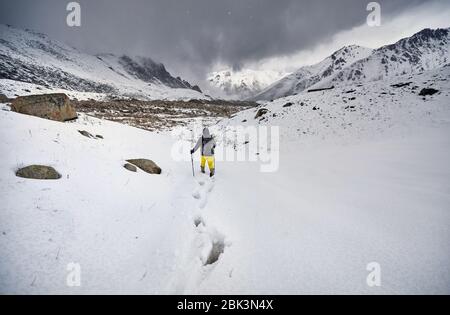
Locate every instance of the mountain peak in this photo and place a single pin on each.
(243, 83)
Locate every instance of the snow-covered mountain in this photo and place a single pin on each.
(244, 83)
(396, 105)
(425, 50)
(310, 75)
(34, 58)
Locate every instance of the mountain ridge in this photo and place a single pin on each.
(425, 50)
(32, 57)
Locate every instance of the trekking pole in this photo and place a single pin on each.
(192, 162)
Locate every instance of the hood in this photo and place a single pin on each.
(206, 133)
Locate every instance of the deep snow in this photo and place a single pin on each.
(363, 178)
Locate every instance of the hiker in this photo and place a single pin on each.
(207, 144)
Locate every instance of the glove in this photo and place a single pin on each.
(192, 151)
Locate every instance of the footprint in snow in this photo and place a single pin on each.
(201, 182)
(196, 194)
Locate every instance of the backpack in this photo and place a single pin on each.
(205, 141)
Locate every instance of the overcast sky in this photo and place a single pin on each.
(193, 37)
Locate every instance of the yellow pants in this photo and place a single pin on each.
(209, 159)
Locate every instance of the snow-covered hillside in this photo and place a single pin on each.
(307, 76)
(426, 50)
(360, 112)
(34, 58)
(243, 83)
(363, 177)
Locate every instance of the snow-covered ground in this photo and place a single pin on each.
(354, 186)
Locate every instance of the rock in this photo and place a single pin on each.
(428, 91)
(288, 104)
(86, 134)
(261, 112)
(399, 85)
(49, 106)
(99, 136)
(146, 165)
(321, 89)
(4, 98)
(130, 167)
(38, 172)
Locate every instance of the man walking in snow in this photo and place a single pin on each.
(207, 144)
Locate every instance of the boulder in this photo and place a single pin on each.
(130, 167)
(38, 172)
(428, 91)
(261, 112)
(4, 98)
(86, 133)
(321, 89)
(146, 165)
(49, 106)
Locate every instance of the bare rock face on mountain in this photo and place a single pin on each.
(38, 172)
(49, 106)
(146, 165)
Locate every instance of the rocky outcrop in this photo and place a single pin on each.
(146, 165)
(49, 106)
(38, 172)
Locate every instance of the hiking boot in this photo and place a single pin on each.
(203, 170)
(212, 173)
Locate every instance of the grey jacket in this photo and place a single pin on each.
(206, 142)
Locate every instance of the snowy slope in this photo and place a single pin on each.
(125, 229)
(244, 83)
(34, 58)
(349, 113)
(307, 76)
(363, 177)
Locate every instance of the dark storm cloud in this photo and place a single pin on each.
(190, 35)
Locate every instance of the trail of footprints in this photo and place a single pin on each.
(213, 241)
